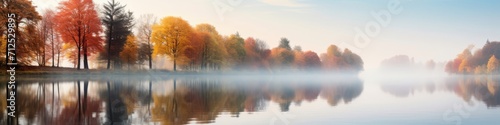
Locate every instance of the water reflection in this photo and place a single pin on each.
(184, 100)
(405, 88)
(483, 88)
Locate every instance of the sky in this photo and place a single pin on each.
(374, 29)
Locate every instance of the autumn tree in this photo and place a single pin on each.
(129, 53)
(118, 25)
(194, 50)
(30, 48)
(493, 65)
(171, 37)
(332, 58)
(466, 62)
(235, 49)
(143, 51)
(282, 58)
(465, 66)
(214, 52)
(25, 15)
(79, 25)
(336, 60)
(51, 36)
(39, 40)
(312, 60)
(58, 45)
(351, 61)
(256, 53)
(46, 44)
(299, 59)
(144, 35)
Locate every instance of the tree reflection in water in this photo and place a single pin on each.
(184, 100)
(201, 100)
(482, 88)
(167, 101)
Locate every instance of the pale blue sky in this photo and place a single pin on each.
(425, 29)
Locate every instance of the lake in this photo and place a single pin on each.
(258, 100)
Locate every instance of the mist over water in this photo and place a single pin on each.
(258, 98)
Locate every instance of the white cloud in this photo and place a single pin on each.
(285, 3)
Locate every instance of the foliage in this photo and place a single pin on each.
(129, 54)
(285, 43)
(171, 37)
(235, 49)
(256, 53)
(336, 60)
(25, 15)
(493, 65)
(144, 35)
(312, 60)
(79, 26)
(118, 25)
(478, 63)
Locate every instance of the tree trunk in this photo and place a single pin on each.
(43, 54)
(78, 61)
(85, 57)
(175, 65)
(109, 43)
(52, 42)
(150, 62)
(58, 57)
(150, 54)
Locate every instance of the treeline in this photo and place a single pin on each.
(77, 32)
(483, 61)
(404, 63)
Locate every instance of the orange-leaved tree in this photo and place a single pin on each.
(129, 52)
(79, 25)
(256, 53)
(213, 53)
(312, 60)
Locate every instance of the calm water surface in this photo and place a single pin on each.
(279, 100)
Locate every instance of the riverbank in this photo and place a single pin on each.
(45, 70)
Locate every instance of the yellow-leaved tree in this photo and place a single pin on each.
(492, 65)
(465, 66)
(171, 38)
(129, 53)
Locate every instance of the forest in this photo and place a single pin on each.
(483, 61)
(109, 37)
